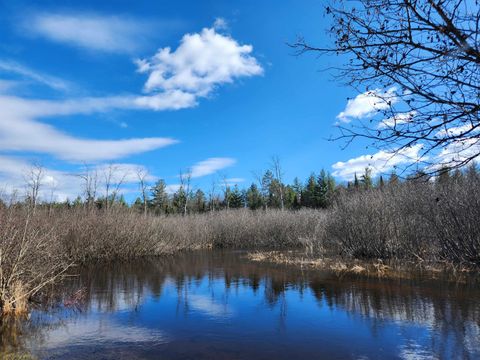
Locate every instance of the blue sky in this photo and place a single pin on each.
(169, 86)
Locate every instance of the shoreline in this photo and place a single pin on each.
(393, 269)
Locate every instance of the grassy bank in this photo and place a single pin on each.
(415, 222)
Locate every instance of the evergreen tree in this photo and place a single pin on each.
(290, 198)
(367, 178)
(393, 180)
(275, 194)
(138, 205)
(267, 180)
(381, 183)
(199, 201)
(254, 198)
(236, 198)
(356, 183)
(297, 187)
(159, 201)
(309, 198)
(178, 201)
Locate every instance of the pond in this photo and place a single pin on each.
(220, 305)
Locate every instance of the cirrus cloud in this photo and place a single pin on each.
(118, 34)
(210, 166)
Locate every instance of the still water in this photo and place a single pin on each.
(219, 305)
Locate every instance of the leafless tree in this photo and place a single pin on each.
(113, 180)
(226, 190)
(185, 182)
(89, 178)
(425, 54)
(212, 194)
(142, 175)
(33, 180)
(278, 176)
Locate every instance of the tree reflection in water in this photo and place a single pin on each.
(216, 304)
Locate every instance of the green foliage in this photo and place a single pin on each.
(159, 202)
(254, 198)
(236, 198)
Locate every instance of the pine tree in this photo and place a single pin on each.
(159, 200)
(393, 180)
(236, 198)
(298, 189)
(178, 201)
(254, 198)
(138, 205)
(356, 183)
(381, 183)
(367, 178)
(309, 192)
(199, 201)
(266, 187)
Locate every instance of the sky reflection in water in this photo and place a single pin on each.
(217, 305)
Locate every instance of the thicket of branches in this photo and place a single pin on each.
(414, 220)
(419, 61)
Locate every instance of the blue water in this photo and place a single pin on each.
(219, 305)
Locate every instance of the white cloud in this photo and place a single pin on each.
(234, 181)
(201, 62)
(368, 104)
(168, 100)
(7, 85)
(20, 131)
(210, 166)
(220, 24)
(398, 119)
(457, 152)
(172, 189)
(60, 185)
(50, 81)
(90, 31)
(380, 162)
(457, 130)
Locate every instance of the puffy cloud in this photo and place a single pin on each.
(380, 162)
(368, 104)
(457, 130)
(210, 166)
(201, 62)
(91, 31)
(398, 119)
(457, 153)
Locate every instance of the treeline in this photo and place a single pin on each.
(315, 192)
(419, 220)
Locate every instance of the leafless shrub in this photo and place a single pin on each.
(31, 257)
(419, 220)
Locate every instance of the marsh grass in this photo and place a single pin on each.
(415, 223)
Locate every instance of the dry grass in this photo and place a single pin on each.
(37, 249)
(413, 222)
